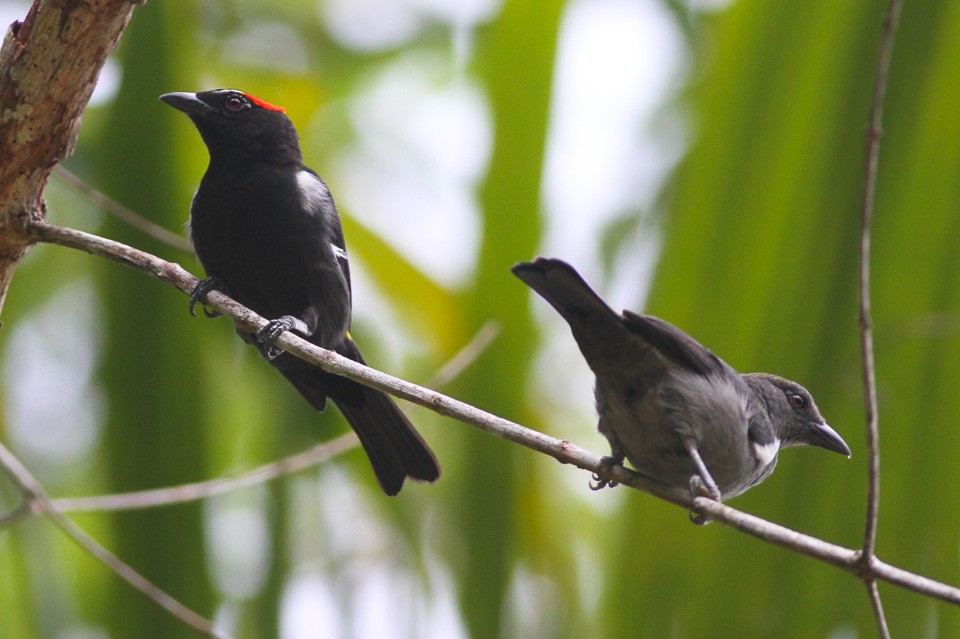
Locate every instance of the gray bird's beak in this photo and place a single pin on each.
(189, 103)
(825, 437)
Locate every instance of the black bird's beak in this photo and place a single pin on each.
(825, 437)
(189, 103)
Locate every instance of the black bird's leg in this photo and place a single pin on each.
(274, 328)
(615, 458)
(199, 294)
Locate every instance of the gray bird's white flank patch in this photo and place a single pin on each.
(765, 453)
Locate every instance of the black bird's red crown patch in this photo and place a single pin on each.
(263, 104)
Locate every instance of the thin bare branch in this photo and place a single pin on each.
(561, 450)
(875, 602)
(11, 516)
(122, 213)
(202, 490)
(826, 552)
(874, 133)
(36, 497)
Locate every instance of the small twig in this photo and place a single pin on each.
(866, 325)
(122, 213)
(202, 490)
(286, 466)
(38, 501)
(561, 450)
(466, 355)
(11, 516)
(877, 604)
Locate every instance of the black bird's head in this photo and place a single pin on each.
(795, 417)
(237, 126)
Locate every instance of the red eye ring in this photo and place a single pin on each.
(233, 103)
(797, 402)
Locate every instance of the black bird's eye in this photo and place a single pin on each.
(233, 103)
(797, 402)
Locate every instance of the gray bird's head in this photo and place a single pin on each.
(793, 414)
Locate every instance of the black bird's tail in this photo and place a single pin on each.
(595, 325)
(394, 447)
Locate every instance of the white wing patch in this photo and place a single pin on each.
(314, 194)
(339, 253)
(765, 453)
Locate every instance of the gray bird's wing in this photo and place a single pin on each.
(675, 345)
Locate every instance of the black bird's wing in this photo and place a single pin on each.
(320, 205)
(395, 449)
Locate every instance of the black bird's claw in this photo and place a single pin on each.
(274, 329)
(608, 461)
(199, 294)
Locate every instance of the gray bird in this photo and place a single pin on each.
(682, 416)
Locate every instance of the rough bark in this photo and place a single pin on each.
(49, 65)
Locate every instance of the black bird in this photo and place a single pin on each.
(268, 234)
(680, 414)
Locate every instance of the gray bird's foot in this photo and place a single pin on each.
(199, 294)
(699, 488)
(274, 329)
(608, 461)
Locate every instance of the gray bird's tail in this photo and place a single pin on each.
(595, 325)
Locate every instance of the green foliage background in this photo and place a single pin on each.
(759, 227)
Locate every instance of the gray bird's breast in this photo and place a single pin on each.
(652, 420)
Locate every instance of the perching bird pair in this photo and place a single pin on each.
(268, 234)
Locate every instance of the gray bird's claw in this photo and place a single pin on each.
(698, 518)
(608, 461)
(199, 295)
(700, 488)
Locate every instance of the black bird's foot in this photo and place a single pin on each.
(274, 329)
(608, 461)
(199, 294)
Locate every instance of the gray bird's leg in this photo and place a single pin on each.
(701, 484)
